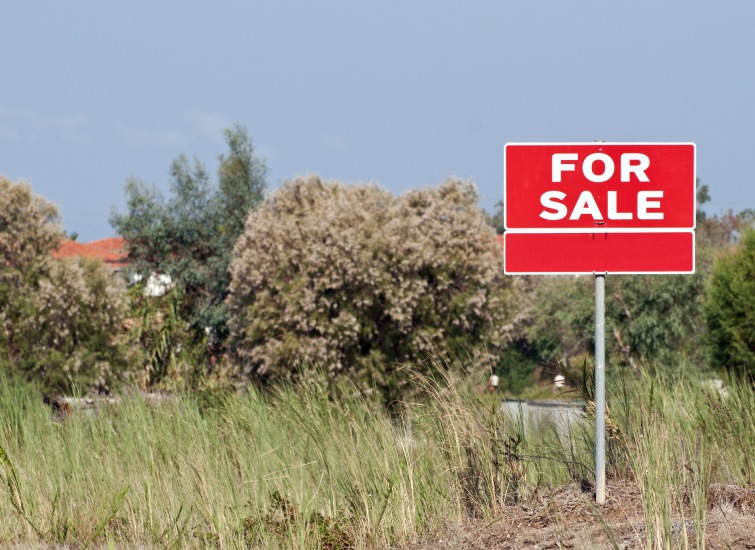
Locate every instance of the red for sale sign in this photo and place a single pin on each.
(599, 208)
(576, 186)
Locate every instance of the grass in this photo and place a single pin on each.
(301, 469)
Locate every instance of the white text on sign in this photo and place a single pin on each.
(630, 164)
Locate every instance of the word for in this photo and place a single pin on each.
(643, 162)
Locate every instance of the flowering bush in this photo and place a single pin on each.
(334, 278)
(60, 321)
(78, 327)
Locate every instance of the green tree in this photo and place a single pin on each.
(730, 308)
(190, 236)
(496, 218)
(655, 317)
(702, 196)
(648, 317)
(560, 324)
(167, 357)
(336, 279)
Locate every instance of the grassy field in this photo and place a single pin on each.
(299, 468)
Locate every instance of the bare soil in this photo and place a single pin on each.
(567, 517)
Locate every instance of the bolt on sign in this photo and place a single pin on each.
(599, 207)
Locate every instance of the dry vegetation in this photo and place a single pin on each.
(312, 468)
(567, 517)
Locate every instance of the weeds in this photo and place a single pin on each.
(298, 468)
(282, 516)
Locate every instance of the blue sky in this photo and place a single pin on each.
(402, 94)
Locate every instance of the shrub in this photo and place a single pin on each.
(169, 355)
(59, 320)
(76, 334)
(730, 308)
(29, 231)
(334, 278)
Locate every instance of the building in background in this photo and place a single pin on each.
(113, 253)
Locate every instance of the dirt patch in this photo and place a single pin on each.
(567, 517)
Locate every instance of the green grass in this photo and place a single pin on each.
(300, 469)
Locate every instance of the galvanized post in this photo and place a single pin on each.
(600, 388)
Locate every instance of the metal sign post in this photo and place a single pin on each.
(600, 388)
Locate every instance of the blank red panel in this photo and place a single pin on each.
(579, 253)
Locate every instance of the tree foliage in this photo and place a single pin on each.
(730, 308)
(61, 320)
(76, 337)
(561, 322)
(335, 278)
(496, 218)
(29, 229)
(655, 318)
(29, 232)
(190, 236)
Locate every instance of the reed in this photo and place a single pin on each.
(300, 468)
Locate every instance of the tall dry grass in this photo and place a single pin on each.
(301, 468)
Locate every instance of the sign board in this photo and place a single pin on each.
(575, 208)
(599, 208)
(531, 253)
(568, 187)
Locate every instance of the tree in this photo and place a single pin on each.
(730, 308)
(496, 218)
(702, 196)
(29, 228)
(191, 235)
(29, 232)
(560, 324)
(341, 279)
(655, 317)
(77, 337)
(166, 356)
(60, 320)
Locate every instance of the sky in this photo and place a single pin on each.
(404, 94)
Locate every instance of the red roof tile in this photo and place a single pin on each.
(112, 251)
